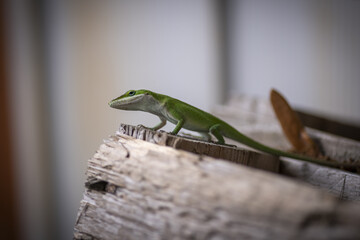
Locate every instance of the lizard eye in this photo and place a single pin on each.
(131, 93)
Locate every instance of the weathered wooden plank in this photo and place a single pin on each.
(230, 153)
(254, 117)
(139, 190)
(330, 125)
(340, 183)
(336, 147)
(343, 184)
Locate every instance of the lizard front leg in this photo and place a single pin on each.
(157, 127)
(178, 117)
(178, 126)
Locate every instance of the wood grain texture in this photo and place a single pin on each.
(230, 153)
(345, 185)
(139, 190)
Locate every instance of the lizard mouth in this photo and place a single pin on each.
(124, 103)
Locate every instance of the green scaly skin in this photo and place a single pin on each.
(189, 117)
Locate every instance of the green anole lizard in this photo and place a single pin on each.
(189, 117)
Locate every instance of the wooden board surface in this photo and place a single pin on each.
(254, 117)
(139, 190)
(343, 184)
(230, 153)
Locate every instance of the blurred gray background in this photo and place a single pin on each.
(67, 59)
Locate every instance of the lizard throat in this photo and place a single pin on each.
(127, 103)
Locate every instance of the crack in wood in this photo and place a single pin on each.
(96, 184)
(343, 188)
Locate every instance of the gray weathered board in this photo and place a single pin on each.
(255, 118)
(194, 145)
(140, 190)
(345, 185)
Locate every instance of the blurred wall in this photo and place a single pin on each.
(309, 50)
(70, 58)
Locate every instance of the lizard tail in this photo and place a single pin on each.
(241, 138)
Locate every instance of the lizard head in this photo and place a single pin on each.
(131, 100)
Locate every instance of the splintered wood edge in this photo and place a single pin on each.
(225, 152)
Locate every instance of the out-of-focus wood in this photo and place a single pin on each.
(139, 190)
(255, 118)
(329, 125)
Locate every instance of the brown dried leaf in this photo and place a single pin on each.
(292, 126)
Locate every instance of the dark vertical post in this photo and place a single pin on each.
(224, 51)
(8, 202)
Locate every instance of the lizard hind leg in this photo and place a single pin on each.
(214, 130)
(206, 136)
